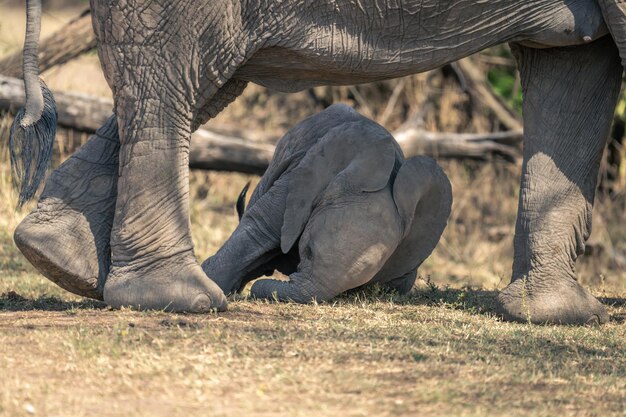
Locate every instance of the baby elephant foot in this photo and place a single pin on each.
(404, 284)
(67, 236)
(562, 302)
(175, 286)
(272, 289)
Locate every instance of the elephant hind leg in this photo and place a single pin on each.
(569, 100)
(67, 236)
(404, 284)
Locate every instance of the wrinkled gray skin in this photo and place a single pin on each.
(175, 64)
(337, 208)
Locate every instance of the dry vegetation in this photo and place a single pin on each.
(437, 352)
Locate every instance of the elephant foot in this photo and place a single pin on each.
(404, 284)
(276, 290)
(171, 285)
(564, 302)
(228, 283)
(67, 236)
(62, 248)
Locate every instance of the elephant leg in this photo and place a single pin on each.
(403, 284)
(299, 289)
(164, 62)
(254, 244)
(67, 236)
(569, 99)
(153, 265)
(342, 247)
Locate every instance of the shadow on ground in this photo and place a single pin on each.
(12, 301)
(615, 302)
(470, 300)
(475, 301)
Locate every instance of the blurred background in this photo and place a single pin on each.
(467, 115)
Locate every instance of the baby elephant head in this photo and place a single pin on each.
(336, 205)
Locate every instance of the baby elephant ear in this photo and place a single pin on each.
(422, 188)
(357, 157)
(614, 12)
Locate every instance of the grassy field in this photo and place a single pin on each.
(437, 352)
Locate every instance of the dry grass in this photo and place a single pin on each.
(437, 352)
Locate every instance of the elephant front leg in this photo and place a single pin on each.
(298, 289)
(67, 236)
(254, 247)
(152, 259)
(569, 100)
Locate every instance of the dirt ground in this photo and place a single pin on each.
(437, 352)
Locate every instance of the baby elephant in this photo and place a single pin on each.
(338, 207)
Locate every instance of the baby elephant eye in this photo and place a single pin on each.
(308, 252)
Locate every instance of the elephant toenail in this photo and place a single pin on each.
(202, 303)
(594, 320)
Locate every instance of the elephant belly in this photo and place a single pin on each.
(347, 42)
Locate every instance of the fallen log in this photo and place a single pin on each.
(211, 150)
(76, 111)
(216, 149)
(473, 83)
(481, 146)
(69, 42)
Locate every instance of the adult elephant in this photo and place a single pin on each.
(173, 65)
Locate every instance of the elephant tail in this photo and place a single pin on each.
(241, 201)
(32, 134)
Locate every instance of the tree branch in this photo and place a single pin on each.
(217, 149)
(69, 42)
(482, 95)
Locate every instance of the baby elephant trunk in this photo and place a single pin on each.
(614, 12)
(32, 134)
